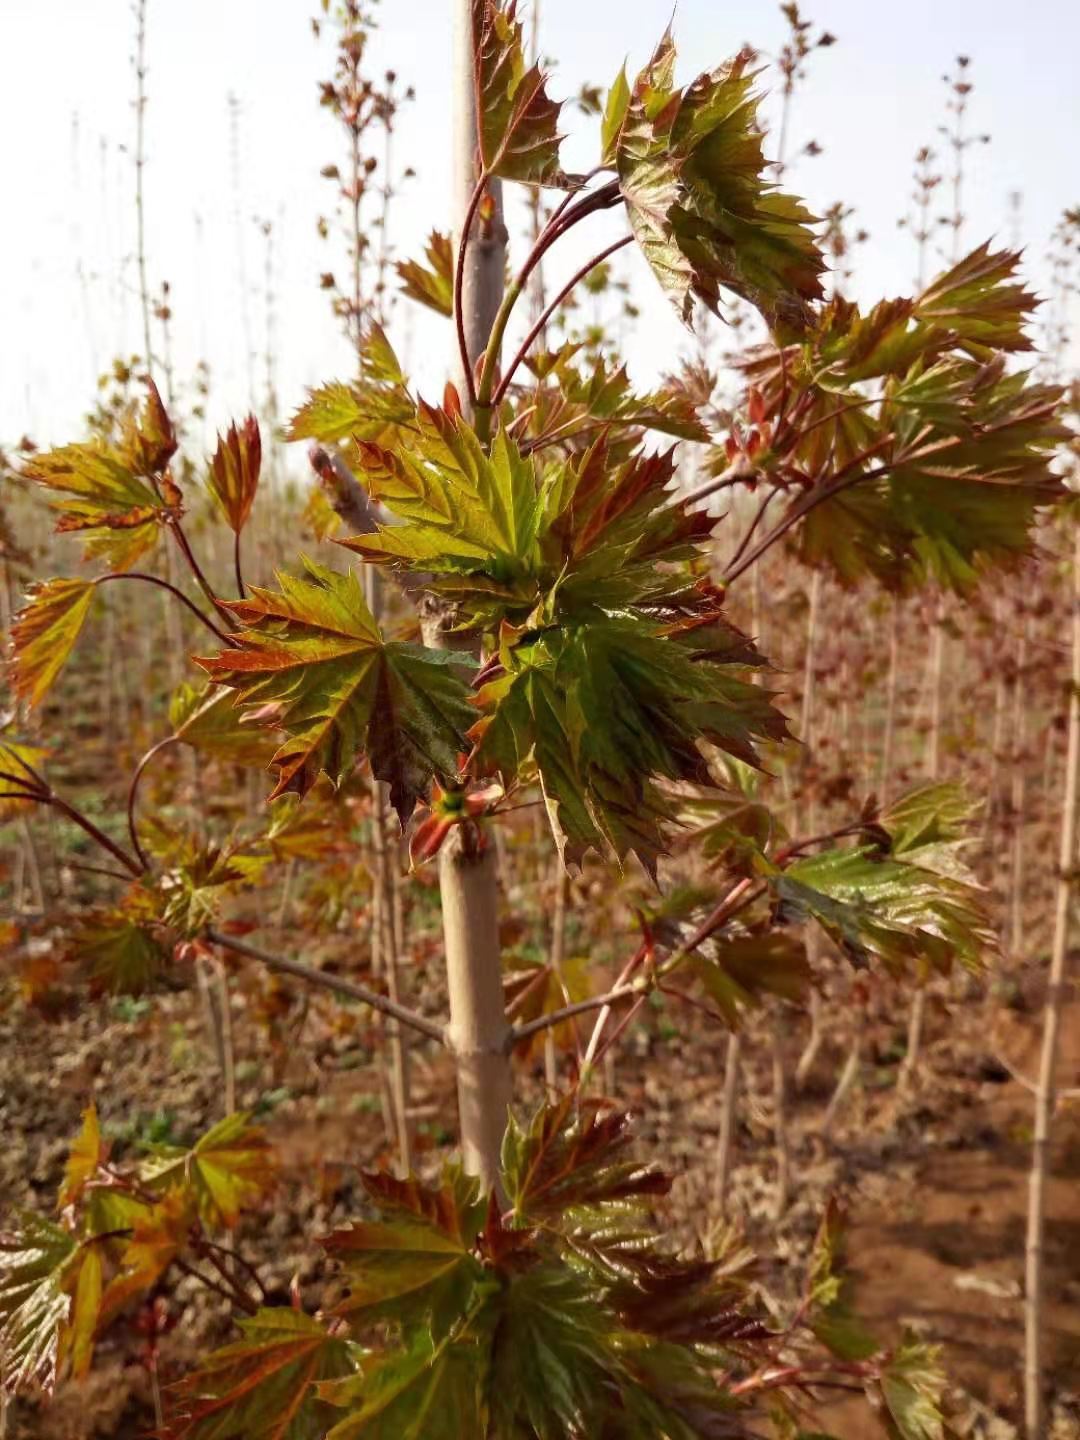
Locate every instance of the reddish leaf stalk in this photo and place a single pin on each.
(133, 792)
(459, 284)
(538, 327)
(173, 590)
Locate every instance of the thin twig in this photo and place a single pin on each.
(234, 1296)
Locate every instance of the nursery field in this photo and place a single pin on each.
(544, 908)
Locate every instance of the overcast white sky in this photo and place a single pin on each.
(65, 111)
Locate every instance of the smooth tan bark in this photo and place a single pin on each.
(478, 1032)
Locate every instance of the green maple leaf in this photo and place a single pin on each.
(264, 1386)
(499, 535)
(616, 104)
(885, 906)
(931, 828)
(554, 1366)
(467, 510)
(228, 1169)
(416, 1266)
(912, 1387)
(943, 469)
(970, 492)
(431, 284)
(123, 948)
(373, 408)
(44, 632)
(120, 495)
(312, 660)
(829, 1302)
(518, 132)
(426, 1392)
(692, 172)
(607, 706)
(739, 973)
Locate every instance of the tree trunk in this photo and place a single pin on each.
(1045, 1088)
(467, 871)
(478, 1027)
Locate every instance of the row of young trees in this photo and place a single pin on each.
(541, 619)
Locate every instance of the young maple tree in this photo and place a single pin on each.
(573, 643)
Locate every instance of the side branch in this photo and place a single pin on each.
(735, 900)
(382, 1003)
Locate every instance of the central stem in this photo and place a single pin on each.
(468, 882)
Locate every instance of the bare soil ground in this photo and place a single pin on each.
(937, 1183)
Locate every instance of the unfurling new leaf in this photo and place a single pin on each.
(234, 472)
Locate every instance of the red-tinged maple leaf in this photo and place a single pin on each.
(693, 174)
(263, 1386)
(234, 472)
(417, 1264)
(562, 1159)
(159, 1233)
(123, 949)
(345, 693)
(518, 137)
(431, 284)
